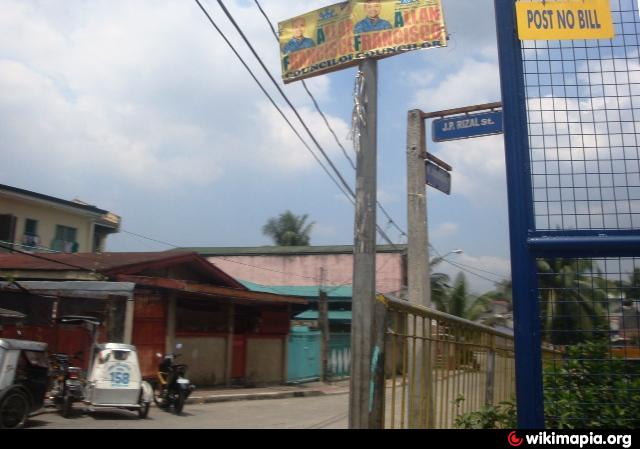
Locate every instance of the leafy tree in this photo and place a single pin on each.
(289, 229)
(502, 292)
(573, 294)
(631, 288)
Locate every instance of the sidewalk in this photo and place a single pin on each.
(224, 394)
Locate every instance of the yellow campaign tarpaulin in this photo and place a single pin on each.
(564, 19)
(337, 36)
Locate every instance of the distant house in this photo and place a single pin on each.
(303, 271)
(154, 300)
(35, 222)
(329, 266)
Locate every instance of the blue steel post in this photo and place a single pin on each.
(529, 392)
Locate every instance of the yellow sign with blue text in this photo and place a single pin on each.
(564, 20)
(340, 35)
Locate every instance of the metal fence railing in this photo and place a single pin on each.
(438, 367)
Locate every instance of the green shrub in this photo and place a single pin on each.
(588, 388)
(591, 389)
(502, 416)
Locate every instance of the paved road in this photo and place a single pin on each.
(320, 412)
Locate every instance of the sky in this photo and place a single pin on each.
(140, 108)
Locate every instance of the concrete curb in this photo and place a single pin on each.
(258, 396)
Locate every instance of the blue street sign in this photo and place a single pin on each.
(465, 126)
(438, 177)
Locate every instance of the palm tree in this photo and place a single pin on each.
(573, 296)
(459, 302)
(289, 229)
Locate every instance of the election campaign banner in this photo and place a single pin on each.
(564, 20)
(340, 35)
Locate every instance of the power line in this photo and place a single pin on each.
(317, 106)
(350, 198)
(284, 96)
(44, 258)
(502, 276)
(471, 272)
(295, 111)
(315, 103)
(293, 108)
(223, 258)
(466, 268)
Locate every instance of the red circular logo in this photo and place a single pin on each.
(514, 440)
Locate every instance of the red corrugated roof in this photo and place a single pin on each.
(87, 261)
(114, 263)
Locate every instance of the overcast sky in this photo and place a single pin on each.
(138, 107)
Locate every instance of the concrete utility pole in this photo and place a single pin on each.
(364, 257)
(323, 323)
(420, 404)
(417, 251)
(418, 270)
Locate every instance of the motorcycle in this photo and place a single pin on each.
(67, 386)
(172, 388)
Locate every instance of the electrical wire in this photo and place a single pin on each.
(286, 119)
(317, 107)
(7, 247)
(223, 258)
(293, 108)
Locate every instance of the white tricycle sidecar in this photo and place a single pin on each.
(114, 380)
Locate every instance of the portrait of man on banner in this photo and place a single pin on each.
(373, 21)
(298, 41)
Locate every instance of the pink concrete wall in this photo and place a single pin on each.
(305, 269)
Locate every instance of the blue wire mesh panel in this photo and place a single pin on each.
(583, 122)
(590, 311)
(583, 107)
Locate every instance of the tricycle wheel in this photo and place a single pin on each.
(143, 411)
(14, 410)
(67, 405)
(158, 395)
(179, 404)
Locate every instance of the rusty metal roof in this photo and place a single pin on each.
(111, 264)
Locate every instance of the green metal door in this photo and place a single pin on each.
(304, 355)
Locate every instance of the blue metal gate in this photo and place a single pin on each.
(572, 126)
(304, 355)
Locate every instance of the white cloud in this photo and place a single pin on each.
(279, 148)
(474, 83)
(136, 92)
(445, 229)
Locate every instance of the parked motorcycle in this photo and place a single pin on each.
(171, 388)
(66, 383)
